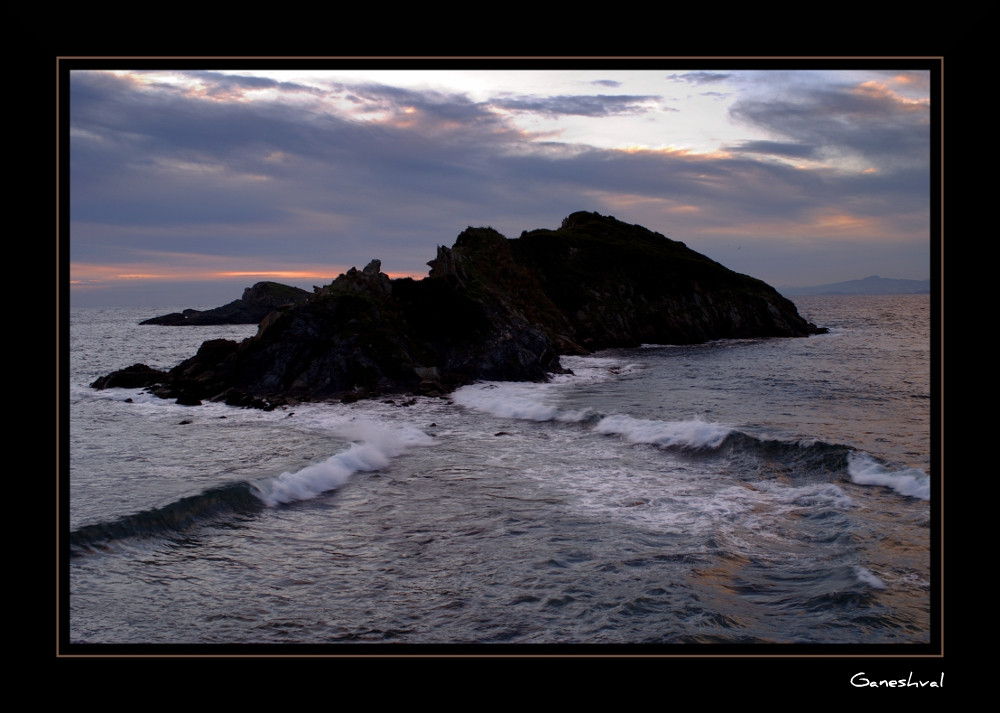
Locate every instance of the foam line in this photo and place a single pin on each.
(378, 446)
(911, 482)
(678, 434)
(518, 401)
(866, 577)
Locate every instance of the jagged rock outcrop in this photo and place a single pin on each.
(256, 303)
(491, 308)
(623, 285)
(136, 376)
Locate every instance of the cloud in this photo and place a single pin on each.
(700, 77)
(221, 86)
(581, 105)
(198, 163)
(773, 148)
(280, 174)
(151, 165)
(864, 121)
(374, 97)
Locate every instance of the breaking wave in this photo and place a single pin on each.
(866, 470)
(376, 446)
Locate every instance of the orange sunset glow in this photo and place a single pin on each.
(94, 275)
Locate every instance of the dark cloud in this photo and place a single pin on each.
(700, 77)
(583, 105)
(728, 191)
(157, 167)
(773, 148)
(606, 83)
(442, 105)
(170, 161)
(235, 86)
(864, 121)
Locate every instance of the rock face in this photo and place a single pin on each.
(623, 285)
(491, 308)
(255, 304)
(136, 376)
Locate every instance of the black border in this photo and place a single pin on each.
(753, 665)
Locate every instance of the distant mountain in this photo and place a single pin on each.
(873, 285)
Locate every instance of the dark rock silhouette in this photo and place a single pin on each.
(256, 303)
(491, 308)
(136, 376)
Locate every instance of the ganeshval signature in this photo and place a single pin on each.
(860, 680)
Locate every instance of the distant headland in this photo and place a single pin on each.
(491, 308)
(256, 303)
(873, 285)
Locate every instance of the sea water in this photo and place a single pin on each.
(762, 491)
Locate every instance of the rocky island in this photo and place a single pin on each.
(491, 308)
(256, 303)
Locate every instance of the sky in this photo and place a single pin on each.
(188, 183)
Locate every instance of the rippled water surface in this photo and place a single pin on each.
(750, 491)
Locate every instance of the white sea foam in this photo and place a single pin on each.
(594, 368)
(794, 500)
(376, 446)
(686, 434)
(528, 402)
(866, 577)
(911, 482)
(514, 400)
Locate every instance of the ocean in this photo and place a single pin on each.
(756, 491)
